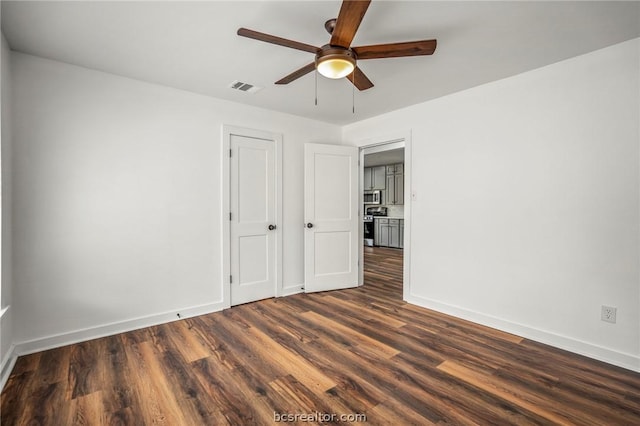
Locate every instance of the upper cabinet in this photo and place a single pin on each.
(395, 169)
(395, 184)
(374, 178)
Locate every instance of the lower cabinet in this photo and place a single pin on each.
(389, 232)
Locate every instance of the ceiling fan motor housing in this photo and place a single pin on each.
(330, 25)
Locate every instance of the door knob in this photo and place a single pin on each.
(272, 227)
(309, 225)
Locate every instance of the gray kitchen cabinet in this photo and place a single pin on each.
(394, 233)
(366, 183)
(379, 174)
(381, 232)
(398, 188)
(394, 169)
(395, 184)
(389, 232)
(374, 178)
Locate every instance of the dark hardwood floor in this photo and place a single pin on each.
(358, 351)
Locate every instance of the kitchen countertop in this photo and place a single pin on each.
(389, 217)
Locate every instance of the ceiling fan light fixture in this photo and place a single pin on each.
(336, 67)
(335, 63)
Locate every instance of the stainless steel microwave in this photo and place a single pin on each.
(373, 197)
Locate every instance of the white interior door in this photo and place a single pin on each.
(331, 217)
(252, 219)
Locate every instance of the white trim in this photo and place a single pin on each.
(82, 335)
(9, 359)
(277, 138)
(225, 163)
(6, 367)
(408, 191)
(361, 216)
(227, 131)
(291, 290)
(621, 359)
(385, 143)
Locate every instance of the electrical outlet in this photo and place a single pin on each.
(608, 314)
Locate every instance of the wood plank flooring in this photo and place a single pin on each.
(353, 352)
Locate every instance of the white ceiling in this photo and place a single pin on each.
(194, 46)
(384, 158)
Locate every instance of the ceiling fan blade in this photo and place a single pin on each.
(396, 50)
(297, 74)
(244, 32)
(359, 80)
(349, 18)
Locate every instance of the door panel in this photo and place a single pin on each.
(331, 209)
(332, 187)
(253, 177)
(252, 201)
(254, 259)
(336, 247)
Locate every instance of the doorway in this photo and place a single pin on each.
(386, 201)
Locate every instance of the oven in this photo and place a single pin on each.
(369, 223)
(368, 230)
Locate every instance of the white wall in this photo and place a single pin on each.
(6, 312)
(117, 199)
(526, 217)
(527, 209)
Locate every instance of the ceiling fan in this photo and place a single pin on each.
(338, 59)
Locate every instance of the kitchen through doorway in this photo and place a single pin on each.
(384, 223)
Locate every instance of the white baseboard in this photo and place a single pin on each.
(6, 366)
(620, 359)
(76, 336)
(288, 291)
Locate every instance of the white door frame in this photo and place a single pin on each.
(385, 143)
(227, 132)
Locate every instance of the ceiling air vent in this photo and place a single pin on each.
(244, 87)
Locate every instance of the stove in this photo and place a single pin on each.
(367, 220)
(371, 212)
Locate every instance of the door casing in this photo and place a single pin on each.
(385, 143)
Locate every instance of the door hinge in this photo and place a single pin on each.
(230, 279)
(230, 153)
(229, 215)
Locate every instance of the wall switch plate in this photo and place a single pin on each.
(608, 314)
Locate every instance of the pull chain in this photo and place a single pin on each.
(353, 92)
(316, 86)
